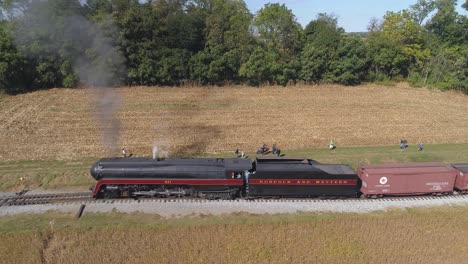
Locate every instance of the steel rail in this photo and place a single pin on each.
(86, 197)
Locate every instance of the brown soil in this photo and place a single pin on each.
(63, 123)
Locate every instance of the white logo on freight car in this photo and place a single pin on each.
(437, 183)
(383, 180)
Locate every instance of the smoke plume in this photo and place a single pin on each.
(107, 105)
(69, 38)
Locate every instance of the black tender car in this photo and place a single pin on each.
(297, 177)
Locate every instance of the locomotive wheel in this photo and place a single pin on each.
(211, 196)
(220, 196)
(110, 195)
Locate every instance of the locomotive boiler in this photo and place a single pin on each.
(206, 178)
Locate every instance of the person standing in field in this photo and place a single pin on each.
(420, 147)
(124, 152)
(332, 145)
(22, 181)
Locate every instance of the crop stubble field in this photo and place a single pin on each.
(434, 235)
(61, 124)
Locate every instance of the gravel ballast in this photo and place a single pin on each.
(180, 208)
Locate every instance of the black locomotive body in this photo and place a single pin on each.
(222, 178)
(281, 177)
(208, 178)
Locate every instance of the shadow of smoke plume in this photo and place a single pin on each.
(96, 61)
(202, 135)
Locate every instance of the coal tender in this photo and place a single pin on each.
(283, 177)
(205, 178)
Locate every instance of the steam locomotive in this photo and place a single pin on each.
(222, 178)
(233, 178)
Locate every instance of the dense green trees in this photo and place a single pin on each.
(444, 63)
(13, 69)
(65, 43)
(279, 40)
(332, 56)
(428, 50)
(227, 43)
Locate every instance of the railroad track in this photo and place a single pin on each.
(287, 200)
(49, 198)
(86, 197)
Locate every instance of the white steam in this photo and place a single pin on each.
(155, 151)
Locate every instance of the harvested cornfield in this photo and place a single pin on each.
(429, 235)
(68, 124)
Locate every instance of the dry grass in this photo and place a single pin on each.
(60, 124)
(71, 175)
(20, 248)
(436, 235)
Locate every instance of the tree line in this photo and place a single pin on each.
(67, 43)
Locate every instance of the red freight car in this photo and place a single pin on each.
(461, 184)
(406, 179)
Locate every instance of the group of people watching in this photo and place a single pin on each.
(239, 154)
(404, 145)
(264, 149)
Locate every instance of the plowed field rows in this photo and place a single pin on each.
(63, 123)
